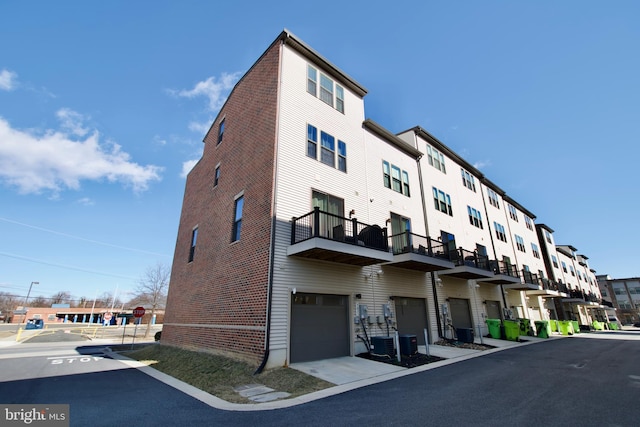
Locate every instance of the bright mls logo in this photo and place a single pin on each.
(35, 415)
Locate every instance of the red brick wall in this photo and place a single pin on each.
(224, 289)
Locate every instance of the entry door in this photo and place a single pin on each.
(460, 313)
(319, 327)
(493, 309)
(411, 317)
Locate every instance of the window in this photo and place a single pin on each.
(326, 90)
(216, 176)
(312, 141)
(520, 243)
(534, 249)
(386, 174)
(554, 260)
(513, 213)
(475, 217)
(312, 80)
(395, 179)
(405, 184)
(328, 148)
(528, 222)
(342, 156)
(573, 272)
(327, 203)
(221, 131)
(547, 235)
(436, 159)
(340, 98)
(468, 180)
(493, 198)
(564, 267)
(500, 234)
(237, 219)
(194, 237)
(442, 201)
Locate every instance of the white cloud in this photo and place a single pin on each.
(215, 90)
(72, 121)
(55, 161)
(481, 164)
(7, 80)
(187, 166)
(85, 201)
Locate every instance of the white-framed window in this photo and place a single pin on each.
(395, 178)
(500, 234)
(529, 222)
(436, 159)
(327, 148)
(520, 243)
(220, 131)
(468, 180)
(386, 174)
(547, 236)
(194, 238)
(513, 213)
(475, 217)
(535, 251)
(237, 218)
(312, 141)
(328, 91)
(493, 198)
(405, 184)
(442, 201)
(216, 176)
(342, 156)
(554, 260)
(396, 183)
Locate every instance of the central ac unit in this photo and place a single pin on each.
(382, 346)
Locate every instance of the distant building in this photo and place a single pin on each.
(624, 295)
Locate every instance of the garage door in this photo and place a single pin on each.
(319, 327)
(460, 313)
(411, 317)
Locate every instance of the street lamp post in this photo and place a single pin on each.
(24, 308)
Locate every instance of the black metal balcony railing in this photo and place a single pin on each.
(530, 277)
(586, 296)
(408, 242)
(504, 268)
(325, 225)
(463, 257)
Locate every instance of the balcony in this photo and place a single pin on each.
(504, 274)
(323, 236)
(580, 297)
(468, 265)
(548, 288)
(414, 252)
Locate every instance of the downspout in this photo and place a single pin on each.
(434, 288)
(274, 192)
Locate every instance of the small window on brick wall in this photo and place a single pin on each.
(194, 238)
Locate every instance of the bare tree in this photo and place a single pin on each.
(152, 290)
(8, 303)
(61, 297)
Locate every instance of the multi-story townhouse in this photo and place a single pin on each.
(307, 229)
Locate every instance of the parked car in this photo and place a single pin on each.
(35, 324)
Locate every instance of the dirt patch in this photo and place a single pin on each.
(467, 345)
(411, 361)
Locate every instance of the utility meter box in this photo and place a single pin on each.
(386, 310)
(363, 311)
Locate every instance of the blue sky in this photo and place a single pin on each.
(104, 105)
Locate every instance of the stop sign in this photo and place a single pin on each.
(138, 312)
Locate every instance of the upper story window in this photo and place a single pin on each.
(547, 235)
(194, 238)
(554, 260)
(442, 201)
(468, 180)
(528, 222)
(216, 176)
(500, 234)
(436, 159)
(237, 219)
(331, 93)
(573, 272)
(475, 217)
(221, 131)
(395, 178)
(564, 267)
(493, 198)
(513, 213)
(534, 249)
(520, 243)
(327, 148)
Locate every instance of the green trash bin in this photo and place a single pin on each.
(613, 326)
(553, 324)
(494, 328)
(543, 328)
(576, 326)
(598, 326)
(525, 327)
(565, 327)
(511, 329)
